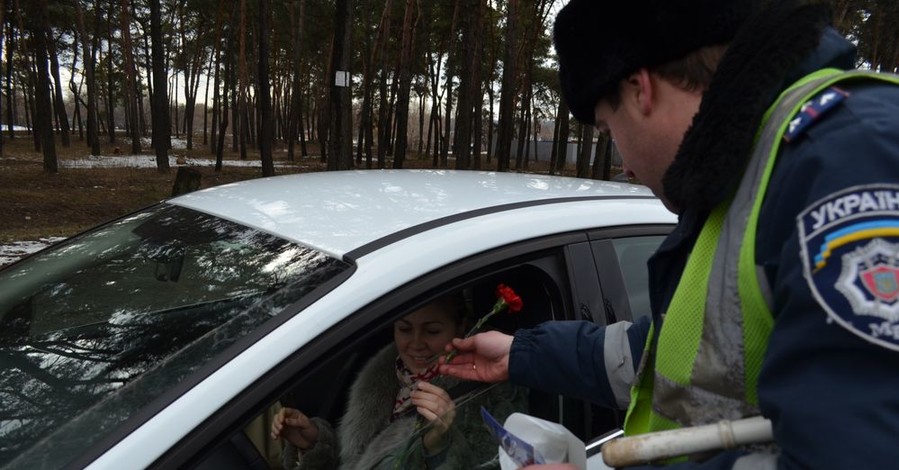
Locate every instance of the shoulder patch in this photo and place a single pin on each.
(812, 110)
(850, 256)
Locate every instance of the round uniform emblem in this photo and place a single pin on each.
(869, 280)
(850, 255)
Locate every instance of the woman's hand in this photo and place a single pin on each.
(295, 427)
(436, 406)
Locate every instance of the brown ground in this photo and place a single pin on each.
(34, 204)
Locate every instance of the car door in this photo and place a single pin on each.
(570, 276)
(317, 377)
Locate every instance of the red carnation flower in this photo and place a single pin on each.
(506, 298)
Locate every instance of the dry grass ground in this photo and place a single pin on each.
(34, 204)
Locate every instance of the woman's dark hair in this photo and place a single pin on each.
(454, 302)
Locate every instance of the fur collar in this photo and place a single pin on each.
(760, 62)
(366, 433)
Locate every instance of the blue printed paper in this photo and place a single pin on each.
(522, 453)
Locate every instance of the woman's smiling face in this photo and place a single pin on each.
(422, 335)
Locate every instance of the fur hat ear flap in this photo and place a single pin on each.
(600, 42)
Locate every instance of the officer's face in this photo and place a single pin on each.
(647, 126)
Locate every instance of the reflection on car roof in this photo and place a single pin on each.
(342, 211)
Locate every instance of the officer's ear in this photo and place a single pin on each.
(638, 90)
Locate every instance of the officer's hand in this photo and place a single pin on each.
(483, 357)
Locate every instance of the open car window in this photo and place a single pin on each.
(94, 329)
(323, 393)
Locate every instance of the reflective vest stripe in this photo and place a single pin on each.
(619, 361)
(702, 375)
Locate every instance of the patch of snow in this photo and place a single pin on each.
(149, 161)
(177, 142)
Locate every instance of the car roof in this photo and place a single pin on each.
(343, 211)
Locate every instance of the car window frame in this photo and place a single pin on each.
(202, 441)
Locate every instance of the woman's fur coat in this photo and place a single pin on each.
(366, 438)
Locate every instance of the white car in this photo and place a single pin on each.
(156, 339)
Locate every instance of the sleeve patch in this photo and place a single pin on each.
(812, 110)
(850, 256)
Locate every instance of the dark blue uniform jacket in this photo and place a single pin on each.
(830, 379)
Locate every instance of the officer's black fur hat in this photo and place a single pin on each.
(601, 42)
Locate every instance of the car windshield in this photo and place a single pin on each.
(96, 328)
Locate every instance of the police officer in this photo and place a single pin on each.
(778, 291)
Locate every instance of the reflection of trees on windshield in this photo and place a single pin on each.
(144, 305)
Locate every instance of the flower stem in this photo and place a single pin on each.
(497, 307)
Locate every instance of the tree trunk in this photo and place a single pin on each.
(110, 89)
(469, 85)
(555, 148)
(296, 98)
(264, 91)
(39, 24)
(434, 77)
(364, 139)
(583, 157)
(216, 102)
(448, 90)
(523, 119)
(130, 77)
(74, 88)
(405, 84)
(223, 115)
(244, 82)
(59, 106)
(227, 74)
(235, 111)
(478, 95)
(162, 138)
(340, 144)
(206, 106)
(383, 107)
(76, 97)
(193, 86)
(491, 132)
(564, 117)
(28, 77)
(602, 160)
(10, 109)
(509, 89)
(3, 29)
